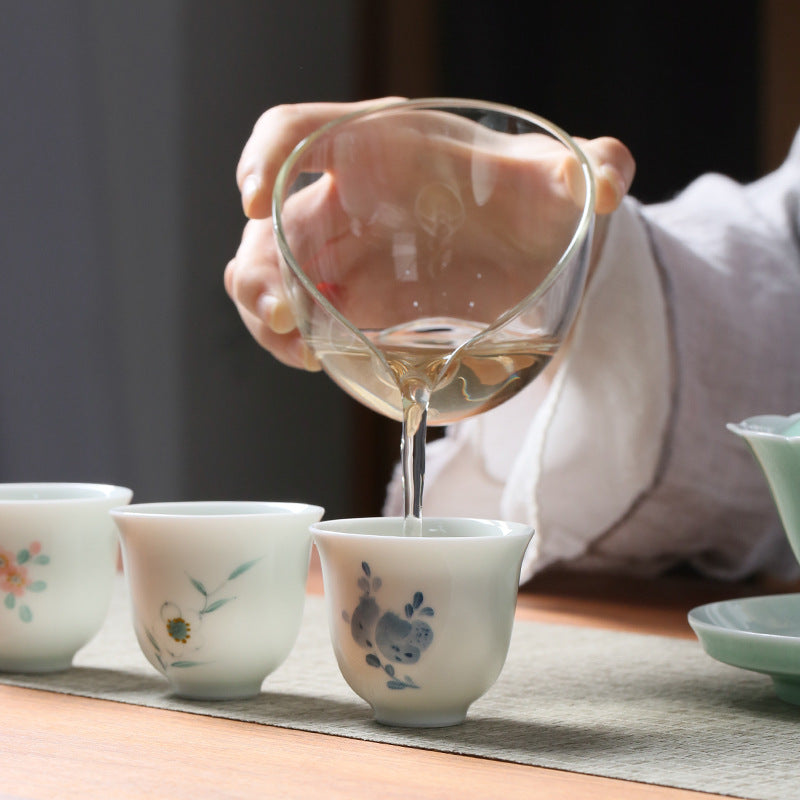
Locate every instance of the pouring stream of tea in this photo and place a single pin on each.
(409, 211)
(444, 373)
(416, 397)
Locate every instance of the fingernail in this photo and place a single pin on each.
(615, 181)
(310, 361)
(305, 356)
(250, 188)
(265, 308)
(275, 313)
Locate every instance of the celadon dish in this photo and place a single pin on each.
(761, 634)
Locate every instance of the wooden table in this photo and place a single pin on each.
(58, 746)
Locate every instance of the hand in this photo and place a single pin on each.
(253, 279)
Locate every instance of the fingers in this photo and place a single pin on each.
(274, 137)
(614, 169)
(328, 253)
(612, 165)
(252, 278)
(289, 348)
(253, 281)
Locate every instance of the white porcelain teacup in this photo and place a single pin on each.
(420, 625)
(58, 558)
(217, 589)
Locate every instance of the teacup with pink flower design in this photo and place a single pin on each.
(17, 577)
(58, 557)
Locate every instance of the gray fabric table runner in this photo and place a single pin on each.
(621, 705)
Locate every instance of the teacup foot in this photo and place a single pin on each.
(788, 689)
(421, 719)
(36, 665)
(213, 692)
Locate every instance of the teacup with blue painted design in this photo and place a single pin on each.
(217, 589)
(420, 625)
(58, 558)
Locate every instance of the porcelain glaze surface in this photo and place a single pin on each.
(761, 634)
(58, 557)
(420, 625)
(217, 589)
(775, 443)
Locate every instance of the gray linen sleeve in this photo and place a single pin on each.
(729, 260)
(621, 460)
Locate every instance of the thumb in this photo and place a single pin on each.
(614, 169)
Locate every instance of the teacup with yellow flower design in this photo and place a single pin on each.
(217, 589)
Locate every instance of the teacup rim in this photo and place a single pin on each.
(192, 509)
(515, 529)
(94, 492)
(766, 425)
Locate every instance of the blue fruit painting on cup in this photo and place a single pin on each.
(391, 638)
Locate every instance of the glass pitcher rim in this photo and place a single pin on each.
(582, 231)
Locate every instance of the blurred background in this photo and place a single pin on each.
(121, 358)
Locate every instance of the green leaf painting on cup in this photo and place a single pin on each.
(17, 580)
(176, 641)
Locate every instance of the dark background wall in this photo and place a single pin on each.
(122, 359)
(677, 82)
